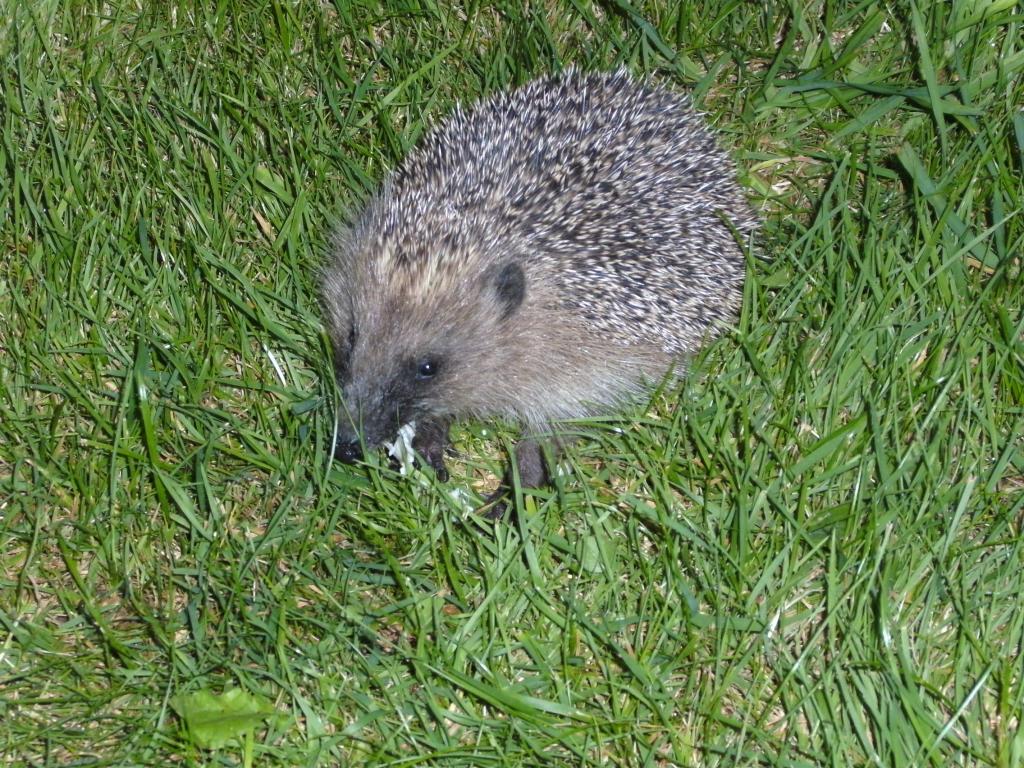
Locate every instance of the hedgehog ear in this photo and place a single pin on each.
(509, 284)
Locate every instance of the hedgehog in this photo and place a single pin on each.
(548, 254)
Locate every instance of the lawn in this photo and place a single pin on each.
(807, 553)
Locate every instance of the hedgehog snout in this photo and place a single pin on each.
(348, 452)
(348, 435)
(347, 445)
(363, 422)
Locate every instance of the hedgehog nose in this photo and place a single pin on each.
(348, 452)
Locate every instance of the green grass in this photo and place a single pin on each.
(808, 554)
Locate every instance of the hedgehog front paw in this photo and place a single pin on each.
(531, 471)
(431, 444)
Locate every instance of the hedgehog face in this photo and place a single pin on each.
(381, 391)
(416, 355)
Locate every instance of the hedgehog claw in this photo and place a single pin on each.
(495, 506)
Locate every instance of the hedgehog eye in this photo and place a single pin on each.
(427, 368)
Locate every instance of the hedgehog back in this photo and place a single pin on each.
(613, 190)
